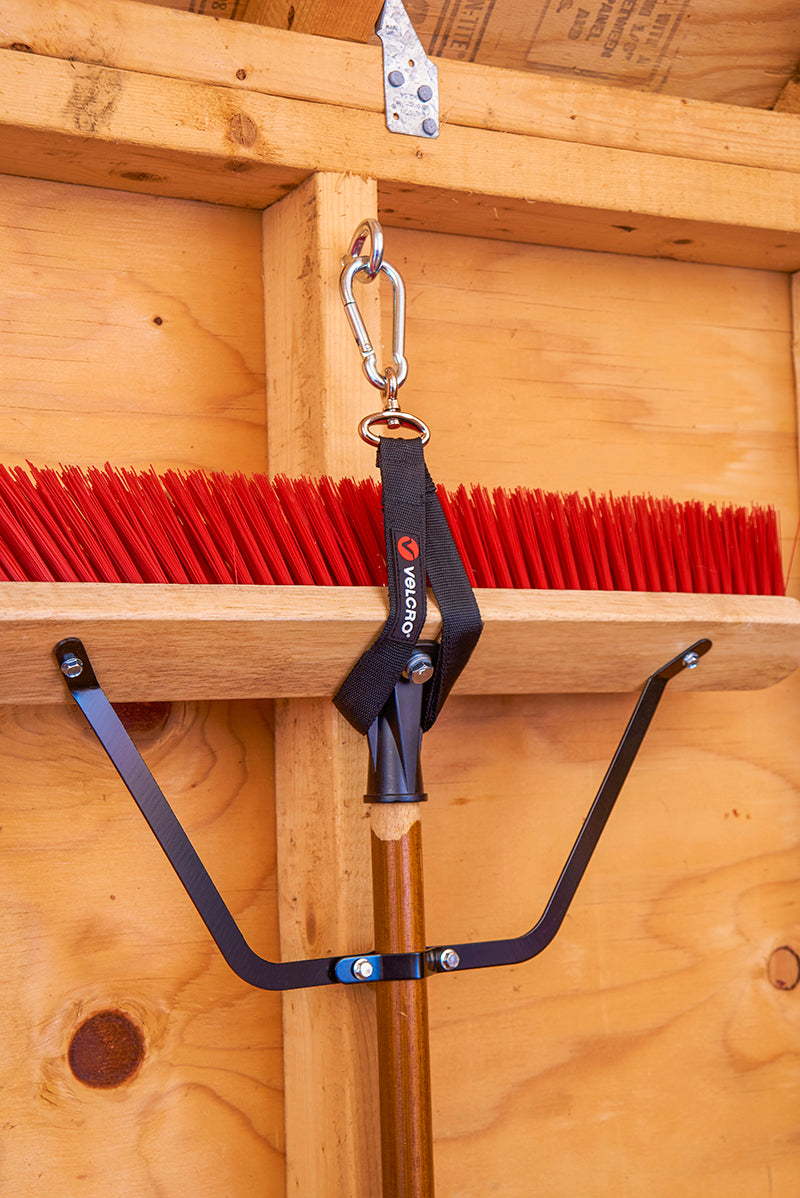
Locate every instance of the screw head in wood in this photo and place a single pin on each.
(363, 969)
(449, 959)
(690, 660)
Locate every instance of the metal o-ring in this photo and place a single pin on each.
(397, 420)
(369, 230)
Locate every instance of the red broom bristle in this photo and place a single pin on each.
(342, 524)
(664, 550)
(490, 535)
(264, 495)
(510, 536)
(170, 537)
(537, 503)
(122, 525)
(472, 539)
(578, 537)
(301, 525)
(362, 505)
(522, 513)
(273, 564)
(454, 524)
(37, 532)
(599, 543)
(325, 530)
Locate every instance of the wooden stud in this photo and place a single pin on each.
(315, 391)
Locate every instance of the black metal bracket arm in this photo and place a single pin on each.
(80, 677)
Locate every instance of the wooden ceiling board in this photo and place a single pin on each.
(728, 51)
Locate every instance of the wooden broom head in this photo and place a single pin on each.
(121, 525)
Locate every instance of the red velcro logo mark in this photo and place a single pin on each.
(408, 548)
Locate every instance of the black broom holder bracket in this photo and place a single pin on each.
(394, 776)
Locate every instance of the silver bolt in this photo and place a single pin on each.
(362, 969)
(425, 93)
(429, 126)
(690, 660)
(449, 959)
(419, 668)
(396, 78)
(71, 666)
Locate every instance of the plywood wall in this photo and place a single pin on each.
(647, 1052)
(132, 330)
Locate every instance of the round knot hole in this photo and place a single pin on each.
(106, 1050)
(783, 968)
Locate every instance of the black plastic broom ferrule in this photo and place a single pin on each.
(395, 738)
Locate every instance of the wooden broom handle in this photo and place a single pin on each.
(403, 1051)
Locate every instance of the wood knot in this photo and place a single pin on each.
(144, 719)
(783, 968)
(106, 1050)
(244, 131)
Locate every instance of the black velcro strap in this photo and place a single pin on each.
(461, 617)
(418, 544)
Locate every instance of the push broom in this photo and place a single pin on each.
(117, 525)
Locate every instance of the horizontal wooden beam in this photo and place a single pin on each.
(154, 642)
(110, 128)
(139, 37)
(114, 126)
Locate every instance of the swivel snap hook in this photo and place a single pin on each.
(393, 376)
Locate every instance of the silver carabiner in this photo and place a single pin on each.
(356, 321)
(393, 376)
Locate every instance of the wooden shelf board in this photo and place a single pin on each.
(154, 642)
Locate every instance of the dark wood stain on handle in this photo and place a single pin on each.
(403, 1047)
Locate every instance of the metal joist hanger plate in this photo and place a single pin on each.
(410, 79)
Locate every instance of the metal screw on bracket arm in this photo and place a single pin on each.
(363, 969)
(419, 668)
(71, 666)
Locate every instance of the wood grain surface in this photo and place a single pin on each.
(113, 345)
(133, 37)
(646, 1051)
(68, 118)
(95, 920)
(649, 1051)
(167, 642)
(600, 371)
(315, 381)
(727, 50)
